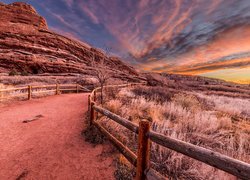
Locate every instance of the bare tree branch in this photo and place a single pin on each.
(101, 73)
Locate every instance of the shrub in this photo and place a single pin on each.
(93, 135)
(124, 171)
(114, 105)
(13, 73)
(157, 94)
(187, 101)
(110, 93)
(24, 73)
(233, 106)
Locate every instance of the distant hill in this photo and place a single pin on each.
(198, 84)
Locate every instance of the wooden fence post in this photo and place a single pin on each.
(143, 154)
(94, 99)
(77, 88)
(57, 89)
(94, 96)
(88, 103)
(92, 113)
(29, 92)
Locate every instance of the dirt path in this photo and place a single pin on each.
(50, 147)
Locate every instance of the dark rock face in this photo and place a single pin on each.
(26, 44)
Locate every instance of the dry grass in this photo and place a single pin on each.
(232, 106)
(207, 121)
(158, 94)
(12, 95)
(45, 80)
(124, 170)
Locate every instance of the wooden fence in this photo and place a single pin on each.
(141, 160)
(30, 91)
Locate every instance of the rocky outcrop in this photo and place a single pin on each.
(27, 45)
(21, 15)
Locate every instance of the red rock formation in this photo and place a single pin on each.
(20, 15)
(26, 44)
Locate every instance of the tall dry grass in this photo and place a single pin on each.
(207, 121)
(233, 106)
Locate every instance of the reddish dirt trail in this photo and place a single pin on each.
(51, 147)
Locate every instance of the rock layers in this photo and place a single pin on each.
(27, 45)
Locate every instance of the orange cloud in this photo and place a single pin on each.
(229, 49)
(208, 67)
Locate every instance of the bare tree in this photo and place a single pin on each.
(101, 73)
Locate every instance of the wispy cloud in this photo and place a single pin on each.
(69, 2)
(181, 36)
(90, 14)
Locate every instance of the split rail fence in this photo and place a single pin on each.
(30, 91)
(141, 160)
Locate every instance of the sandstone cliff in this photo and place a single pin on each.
(27, 45)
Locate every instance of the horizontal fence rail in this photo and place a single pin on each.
(212, 158)
(13, 89)
(145, 135)
(130, 156)
(124, 122)
(40, 89)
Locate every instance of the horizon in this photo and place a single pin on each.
(206, 39)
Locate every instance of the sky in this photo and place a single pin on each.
(195, 37)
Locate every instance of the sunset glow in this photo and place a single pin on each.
(176, 36)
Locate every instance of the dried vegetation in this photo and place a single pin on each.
(219, 123)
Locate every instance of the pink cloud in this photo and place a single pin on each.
(130, 25)
(69, 2)
(61, 19)
(89, 13)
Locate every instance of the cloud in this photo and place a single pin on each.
(61, 19)
(208, 67)
(229, 49)
(183, 36)
(161, 28)
(90, 14)
(69, 3)
(241, 60)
